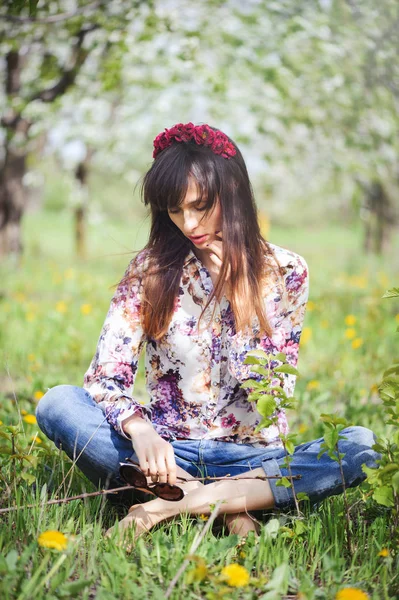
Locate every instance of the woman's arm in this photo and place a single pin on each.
(111, 374)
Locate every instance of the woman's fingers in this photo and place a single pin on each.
(171, 466)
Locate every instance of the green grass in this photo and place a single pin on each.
(46, 339)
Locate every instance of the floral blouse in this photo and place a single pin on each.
(194, 379)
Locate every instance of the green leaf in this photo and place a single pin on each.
(331, 437)
(261, 370)
(286, 369)
(290, 447)
(249, 383)
(283, 482)
(11, 560)
(384, 495)
(302, 496)
(395, 482)
(266, 405)
(253, 360)
(72, 588)
(29, 477)
(281, 356)
(271, 528)
(392, 293)
(258, 353)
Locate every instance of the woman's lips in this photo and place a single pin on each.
(198, 239)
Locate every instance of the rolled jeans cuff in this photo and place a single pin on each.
(282, 496)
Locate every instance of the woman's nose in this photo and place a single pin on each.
(190, 222)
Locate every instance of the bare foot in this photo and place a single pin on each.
(242, 524)
(136, 522)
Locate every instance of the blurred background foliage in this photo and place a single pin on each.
(309, 90)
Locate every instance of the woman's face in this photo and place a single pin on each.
(189, 217)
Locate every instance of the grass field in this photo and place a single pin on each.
(51, 310)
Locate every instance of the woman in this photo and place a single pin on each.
(205, 290)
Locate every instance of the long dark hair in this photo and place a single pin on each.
(164, 187)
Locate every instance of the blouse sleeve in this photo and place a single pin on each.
(287, 322)
(111, 374)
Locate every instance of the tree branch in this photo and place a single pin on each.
(53, 18)
(67, 79)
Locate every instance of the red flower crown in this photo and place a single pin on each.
(203, 135)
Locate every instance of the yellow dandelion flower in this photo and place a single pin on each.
(313, 385)
(86, 309)
(306, 335)
(61, 307)
(350, 333)
(30, 419)
(359, 281)
(351, 593)
(53, 539)
(203, 517)
(350, 320)
(310, 305)
(69, 273)
(30, 316)
(356, 343)
(200, 572)
(38, 394)
(36, 439)
(235, 575)
(264, 224)
(24, 412)
(243, 554)
(1, 422)
(324, 323)
(374, 388)
(397, 318)
(384, 553)
(19, 297)
(302, 428)
(31, 357)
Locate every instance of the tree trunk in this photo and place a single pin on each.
(12, 202)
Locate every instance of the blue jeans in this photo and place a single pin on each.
(69, 416)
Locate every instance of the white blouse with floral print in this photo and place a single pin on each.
(194, 380)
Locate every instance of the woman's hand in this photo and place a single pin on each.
(156, 456)
(216, 255)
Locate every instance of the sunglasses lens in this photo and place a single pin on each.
(168, 492)
(132, 476)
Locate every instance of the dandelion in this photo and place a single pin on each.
(69, 273)
(306, 335)
(356, 343)
(61, 307)
(384, 553)
(351, 593)
(30, 316)
(36, 439)
(302, 428)
(19, 297)
(313, 385)
(53, 539)
(1, 422)
(350, 320)
(397, 318)
(31, 357)
(86, 309)
(30, 419)
(38, 394)
(310, 306)
(264, 224)
(235, 575)
(24, 412)
(350, 333)
(374, 388)
(203, 517)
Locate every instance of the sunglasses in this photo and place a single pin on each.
(134, 476)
